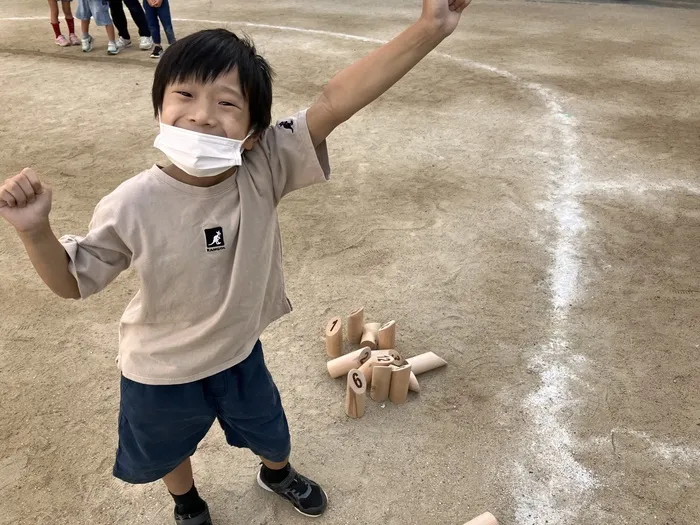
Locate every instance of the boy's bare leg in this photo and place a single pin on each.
(53, 9)
(180, 480)
(85, 26)
(274, 465)
(112, 37)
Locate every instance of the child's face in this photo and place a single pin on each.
(217, 108)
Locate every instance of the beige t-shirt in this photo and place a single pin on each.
(209, 260)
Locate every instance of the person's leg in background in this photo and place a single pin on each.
(86, 39)
(55, 24)
(166, 21)
(139, 17)
(100, 11)
(116, 8)
(152, 17)
(68, 14)
(53, 12)
(83, 13)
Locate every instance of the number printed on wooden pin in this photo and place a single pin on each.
(357, 379)
(365, 355)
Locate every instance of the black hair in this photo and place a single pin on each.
(206, 55)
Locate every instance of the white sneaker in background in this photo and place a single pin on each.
(145, 43)
(86, 42)
(123, 43)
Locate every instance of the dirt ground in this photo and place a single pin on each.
(525, 204)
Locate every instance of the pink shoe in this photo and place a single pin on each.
(74, 40)
(62, 41)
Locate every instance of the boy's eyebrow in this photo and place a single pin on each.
(233, 91)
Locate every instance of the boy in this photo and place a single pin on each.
(203, 236)
(99, 10)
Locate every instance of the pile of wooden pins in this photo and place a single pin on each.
(376, 365)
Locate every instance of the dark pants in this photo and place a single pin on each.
(162, 12)
(160, 426)
(119, 18)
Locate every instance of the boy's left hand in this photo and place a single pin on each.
(443, 15)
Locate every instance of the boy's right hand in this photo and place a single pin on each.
(25, 202)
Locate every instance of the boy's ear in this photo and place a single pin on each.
(250, 141)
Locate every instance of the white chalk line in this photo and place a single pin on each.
(666, 451)
(672, 453)
(536, 502)
(635, 185)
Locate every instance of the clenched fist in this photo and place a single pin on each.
(444, 15)
(25, 202)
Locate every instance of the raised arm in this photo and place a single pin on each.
(364, 81)
(26, 203)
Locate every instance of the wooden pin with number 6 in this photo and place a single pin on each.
(355, 395)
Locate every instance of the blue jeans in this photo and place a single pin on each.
(162, 12)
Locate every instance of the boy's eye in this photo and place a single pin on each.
(230, 104)
(184, 94)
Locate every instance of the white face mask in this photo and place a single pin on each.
(199, 154)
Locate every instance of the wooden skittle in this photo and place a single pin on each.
(355, 394)
(381, 381)
(393, 353)
(400, 376)
(425, 362)
(485, 519)
(356, 325)
(376, 361)
(386, 336)
(413, 384)
(369, 335)
(334, 337)
(343, 364)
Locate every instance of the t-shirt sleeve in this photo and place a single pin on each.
(294, 161)
(99, 257)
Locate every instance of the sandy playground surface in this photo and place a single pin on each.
(525, 204)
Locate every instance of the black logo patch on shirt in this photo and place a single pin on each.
(287, 124)
(214, 238)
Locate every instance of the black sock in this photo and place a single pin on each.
(275, 476)
(189, 503)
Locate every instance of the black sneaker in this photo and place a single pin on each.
(157, 51)
(202, 518)
(306, 496)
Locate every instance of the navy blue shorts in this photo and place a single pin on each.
(161, 425)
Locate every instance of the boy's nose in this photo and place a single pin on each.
(202, 115)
